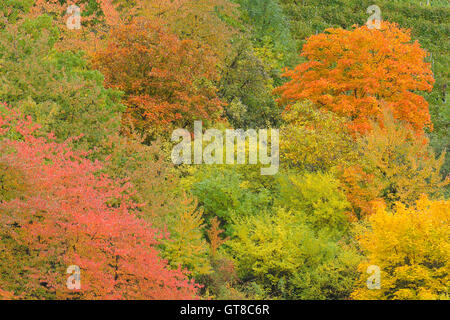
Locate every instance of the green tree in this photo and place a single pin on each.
(57, 89)
(281, 254)
(226, 193)
(319, 198)
(270, 33)
(246, 85)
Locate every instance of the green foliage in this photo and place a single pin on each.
(11, 10)
(282, 255)
(318, 197)
(297, 250)
(439, 137)
(225, 193)
(56, 88)
(155, 183)
(253, 67)
(246, 85)
(270, 31)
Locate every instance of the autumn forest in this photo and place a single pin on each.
(96, 95)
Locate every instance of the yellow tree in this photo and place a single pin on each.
(315, 140)
(186, 247)
(395, 165)
(411, 248)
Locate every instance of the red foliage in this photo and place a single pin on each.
(73, 215)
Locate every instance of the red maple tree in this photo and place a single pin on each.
(71, 214)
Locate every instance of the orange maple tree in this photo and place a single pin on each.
(354, 72)
(165, 80)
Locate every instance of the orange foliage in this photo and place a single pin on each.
(6, 295)
(360, 190)
(353, 72)
(214, 236)
(166, 80)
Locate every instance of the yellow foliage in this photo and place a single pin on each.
(186, 247)
(315, 140)
(396, 165)
(412, 249)
(198, 20)
(12, 183)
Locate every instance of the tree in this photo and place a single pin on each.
(246, 85)
(166, 80)
(215, 240)
(96, 18)
(281, 254)
(395, 165)
(220, 283)
(439, 138)
(226, 193)
(209, 22)
(57, 89)
(353, 72)
(72, 215)
(408, 246)
(162, 203)
(270, 34)
(186, 246)
(315, 140)
(319, 199)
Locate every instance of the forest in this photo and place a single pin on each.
(93, 206)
